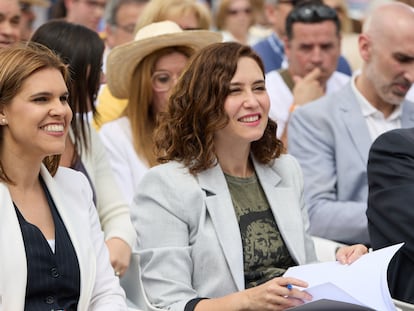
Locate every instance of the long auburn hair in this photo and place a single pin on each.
(196, 110)
(17, 64)
(140, 108)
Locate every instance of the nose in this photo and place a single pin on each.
(316, 55)
(60, 109)
(8, 29)
(409, 74)
(250, 100)
(173, 83)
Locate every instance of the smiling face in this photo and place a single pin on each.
(36, 122)
(247, 107)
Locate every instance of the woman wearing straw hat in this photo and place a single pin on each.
(188, 14)
(144, 71)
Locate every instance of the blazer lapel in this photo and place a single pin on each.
(221, 210)
(13, 266)
(282, 201)
(67, 208)
(354, 121)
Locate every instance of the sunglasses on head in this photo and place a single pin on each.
(310, 13)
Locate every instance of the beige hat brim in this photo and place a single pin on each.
(123, 59)
(41, 3)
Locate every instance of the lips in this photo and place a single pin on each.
(55, 128)
(249, 119)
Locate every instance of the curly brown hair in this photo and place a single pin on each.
(185, 133)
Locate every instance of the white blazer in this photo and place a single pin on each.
(128, 167)
(113, 209)
(70, 190)
(188, 234)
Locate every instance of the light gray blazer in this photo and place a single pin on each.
(70, 190)
(188, 234)
(331, 141)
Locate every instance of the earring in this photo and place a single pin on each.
(3, 121)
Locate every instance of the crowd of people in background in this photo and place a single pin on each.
(215, 139)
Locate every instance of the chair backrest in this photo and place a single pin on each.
(403, 306)
(132, 284)
(325, 249)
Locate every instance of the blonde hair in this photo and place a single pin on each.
(17, 64)
(161, 10)
(222, 12)
(140, 110)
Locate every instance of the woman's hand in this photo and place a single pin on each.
(276, 295)
(120, 255)
(348, 254)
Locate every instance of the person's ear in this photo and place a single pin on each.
(3, 116)
(365, 47)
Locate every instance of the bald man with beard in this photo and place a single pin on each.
(331, 136)
(9, 22)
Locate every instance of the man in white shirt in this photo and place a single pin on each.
(331, 136)
(312, 47)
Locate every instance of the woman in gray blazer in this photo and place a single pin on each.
(223, 216)
(53, 255)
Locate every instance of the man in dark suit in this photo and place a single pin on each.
(391, 205)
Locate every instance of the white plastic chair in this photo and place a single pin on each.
(132, 284)
(325, 249)
(403, 306)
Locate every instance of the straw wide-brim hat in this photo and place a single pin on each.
(123, 59)
(41, 3)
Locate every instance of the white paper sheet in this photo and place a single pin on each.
(364, 282)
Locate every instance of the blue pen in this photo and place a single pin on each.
(289, 286)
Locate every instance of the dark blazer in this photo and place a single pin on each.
(391, 205)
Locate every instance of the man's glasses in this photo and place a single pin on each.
(129, 28)
(234, 12)
(312, 13)
(163, 81)
(95, 4)
(25, 7)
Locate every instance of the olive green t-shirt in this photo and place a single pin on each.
(265, 254)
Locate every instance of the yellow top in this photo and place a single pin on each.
(109, 107)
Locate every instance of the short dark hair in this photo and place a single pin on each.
(311, 12)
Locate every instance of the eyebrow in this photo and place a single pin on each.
(254, 82)
(45, 93)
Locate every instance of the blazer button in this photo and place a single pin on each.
(54, 272)
(49, 300)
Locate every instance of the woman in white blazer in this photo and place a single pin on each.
(223, 217)
(82, 49)
(52, 249)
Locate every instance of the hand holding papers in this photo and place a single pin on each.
(362, 283)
